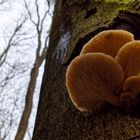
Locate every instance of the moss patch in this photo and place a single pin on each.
(119, 1)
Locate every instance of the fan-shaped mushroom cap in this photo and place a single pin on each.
(91, 79)
(131, 88)
(108, 42)
(132, 84)
(129, 58)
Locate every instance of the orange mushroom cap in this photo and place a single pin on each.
(132, 84)
(129, 58)
(108, 42)
(131, 88)
(91, 80)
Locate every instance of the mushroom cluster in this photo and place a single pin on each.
(107, 70)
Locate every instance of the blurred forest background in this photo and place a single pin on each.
(24, 30)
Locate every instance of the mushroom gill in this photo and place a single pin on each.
(129, 58)
(108, 42)
(91, 80)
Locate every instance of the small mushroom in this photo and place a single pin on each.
(132, 84)
(129, 58)
(108, 42)
(131, 88)
(91, 80)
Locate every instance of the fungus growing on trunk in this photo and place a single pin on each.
(131, 94)
(91, 80)
(129, 58)
(107, 70)
(132, 84)
(108, 42)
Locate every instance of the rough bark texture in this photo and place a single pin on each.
(74, 23)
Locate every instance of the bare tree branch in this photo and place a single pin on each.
(34, 72)
(10, 41)
(29, 13)
(37, 12)
(2, 2)
(43, 19)
(19, 37)
(44, 52)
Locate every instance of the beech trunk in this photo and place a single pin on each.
(74, 23)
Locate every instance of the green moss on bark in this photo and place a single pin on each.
(119, 1)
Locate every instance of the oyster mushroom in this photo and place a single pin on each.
(131, 88)
(91, 80)
(132, 84)
(129, 58)
(108, 42)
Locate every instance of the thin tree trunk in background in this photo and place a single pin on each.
(28, 105)
(40, 57)
(74, 23)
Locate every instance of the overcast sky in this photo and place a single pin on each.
(24, 55)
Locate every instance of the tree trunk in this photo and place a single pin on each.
(74, 23)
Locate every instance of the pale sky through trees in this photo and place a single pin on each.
(17, 66)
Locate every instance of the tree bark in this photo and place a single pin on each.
(74, 23)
